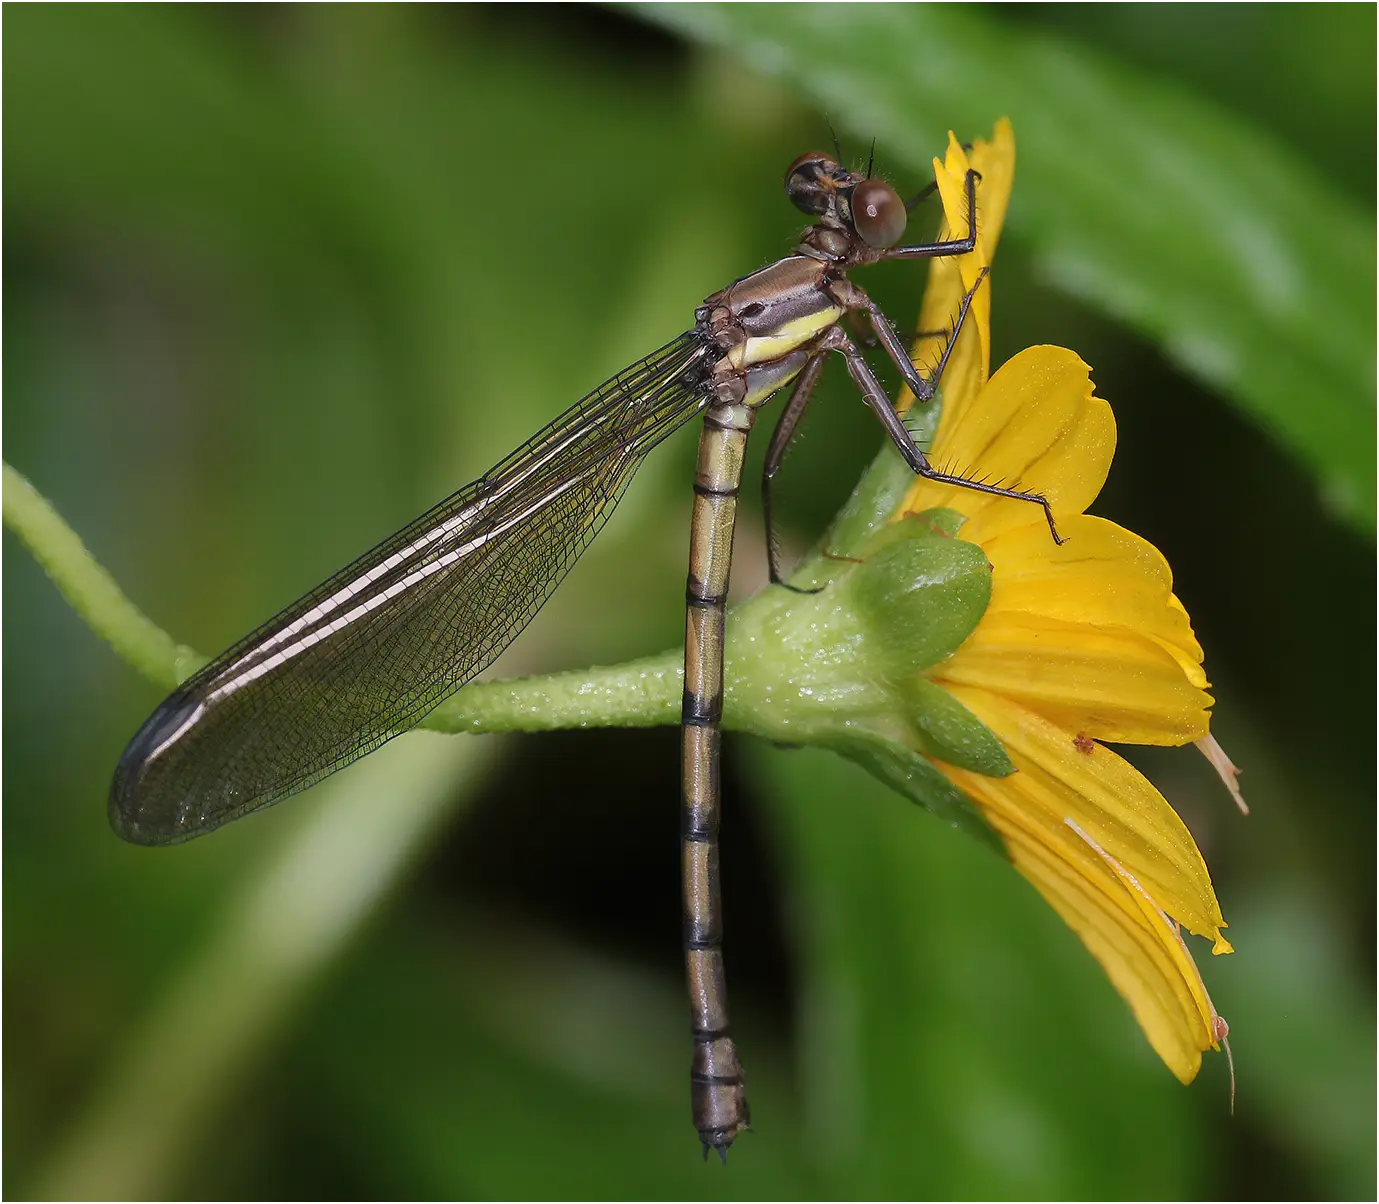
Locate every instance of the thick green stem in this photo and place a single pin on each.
(640, 693)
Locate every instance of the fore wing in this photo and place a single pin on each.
(368, 653)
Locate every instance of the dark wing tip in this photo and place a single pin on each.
(141, 813)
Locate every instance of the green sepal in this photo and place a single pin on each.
(948, 731)
(919, 592)
(908, 773)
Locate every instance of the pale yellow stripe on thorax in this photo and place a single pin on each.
(760, 349)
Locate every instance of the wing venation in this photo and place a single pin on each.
(369, 652)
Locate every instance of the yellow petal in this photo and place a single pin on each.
(1144, 958)
(1108, 684)
(1037, 427)
(995, 160)
(951, 277)
(961, 272)
(1184, 646)
(1104, 576)
(1066, 778)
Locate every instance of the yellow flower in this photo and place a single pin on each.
(1080, 644)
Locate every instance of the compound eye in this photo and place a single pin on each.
(878, 213)
(804, 182)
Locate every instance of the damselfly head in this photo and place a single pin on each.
(872, 208)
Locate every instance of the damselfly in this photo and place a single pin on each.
(368, 653)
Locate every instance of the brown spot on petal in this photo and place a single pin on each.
(1084, 744)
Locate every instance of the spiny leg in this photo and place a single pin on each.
(718, 1098)
(875, 396)
(924, 388)
(885, 332)
(865, 334)
(775, 455)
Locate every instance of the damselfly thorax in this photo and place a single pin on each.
(368, 653)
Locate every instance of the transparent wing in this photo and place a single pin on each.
(368, 653)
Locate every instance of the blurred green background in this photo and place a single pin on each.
(277, 278)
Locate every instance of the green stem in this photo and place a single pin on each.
(640, 693)
(92, 591)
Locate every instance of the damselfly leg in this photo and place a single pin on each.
(775, 456)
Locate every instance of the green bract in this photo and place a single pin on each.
(844, 668)
(920, 590)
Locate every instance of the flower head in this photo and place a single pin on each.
(964, 658)
(1079, 644)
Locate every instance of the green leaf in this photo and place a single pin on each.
(1314, 1082)
(1145, 200)
(506, 1038)
(217, 1018)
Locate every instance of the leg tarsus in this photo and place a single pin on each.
(930, 473)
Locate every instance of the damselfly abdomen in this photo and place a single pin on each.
(367, 654)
